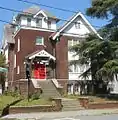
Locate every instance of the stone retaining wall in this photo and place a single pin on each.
(84, 101)
(38, 108)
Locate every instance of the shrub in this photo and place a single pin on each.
(36, 96)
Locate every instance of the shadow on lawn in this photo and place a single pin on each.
(6, 109)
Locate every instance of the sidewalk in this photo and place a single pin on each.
(47, 115)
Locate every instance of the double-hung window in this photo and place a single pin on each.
(39, 40)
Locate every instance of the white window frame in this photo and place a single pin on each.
(18, 69)
(49, 24)
(15, 61)
(29, 22)
(39, 43)
(18, 49)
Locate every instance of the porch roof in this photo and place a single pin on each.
(40, 53)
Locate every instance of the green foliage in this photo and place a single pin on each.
(14, 93)
(102, 8)
(2, 60)
(100, 54)
(36, 95)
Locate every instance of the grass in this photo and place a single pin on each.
(34, 102)
(72, 96)
(5, 100)
(92, 99)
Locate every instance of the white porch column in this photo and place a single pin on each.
(79, 89)
(72, 89)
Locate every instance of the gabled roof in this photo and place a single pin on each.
(60, 30)
(33, 10)
(40, 53)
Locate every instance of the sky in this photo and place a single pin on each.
(74, 5)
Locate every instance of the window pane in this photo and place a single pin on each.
(39, 41)
(71, 68)
(28, 21)
(69, 43)
(39, 22)
(76, 69)
(77, 25)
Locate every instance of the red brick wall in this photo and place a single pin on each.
(27, 41)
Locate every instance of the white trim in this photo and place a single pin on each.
(15, 61)
(33, 28)
(18, 47)
(71, 20)
(42, 53)
(42, 12)
(18, 69)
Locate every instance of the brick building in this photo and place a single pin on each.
(33, 36)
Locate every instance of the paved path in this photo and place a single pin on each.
(70, 115)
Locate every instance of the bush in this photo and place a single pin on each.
(36, 96)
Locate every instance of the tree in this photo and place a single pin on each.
(2, 74)
(97, 53)
(105, 9)
(100, 54)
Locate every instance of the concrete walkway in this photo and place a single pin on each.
(49, 115)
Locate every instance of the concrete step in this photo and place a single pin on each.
(49, 89)
(71, 105)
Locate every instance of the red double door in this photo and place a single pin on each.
(39, 71)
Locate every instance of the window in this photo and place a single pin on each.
(18, 69)
(49, 24)
(76, 69)
(72, 42)
(18, 49)
(39, 40)
(39, 22)
(77, 25)
(82, 68)
(28, 21)
(15, 61)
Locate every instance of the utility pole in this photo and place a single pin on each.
(28, 78)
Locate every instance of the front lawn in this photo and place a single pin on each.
(5, 100)
(34, 102)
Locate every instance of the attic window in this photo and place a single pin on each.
(49, 24)
(28, 21)
(77, 25)
(39, 22)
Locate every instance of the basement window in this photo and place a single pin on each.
(39, 40)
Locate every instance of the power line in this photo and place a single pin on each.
(61, 9)
(4, 21)
(14, 10)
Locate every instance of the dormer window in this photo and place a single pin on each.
(28, 21)
(77, 25)
(39, 22)
(49, 24)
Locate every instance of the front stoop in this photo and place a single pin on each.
(71, 105)
(48, 89)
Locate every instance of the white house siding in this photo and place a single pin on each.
(23, 21)
(81, 31)
(113, 85)
(53, 24)
(33, 23)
